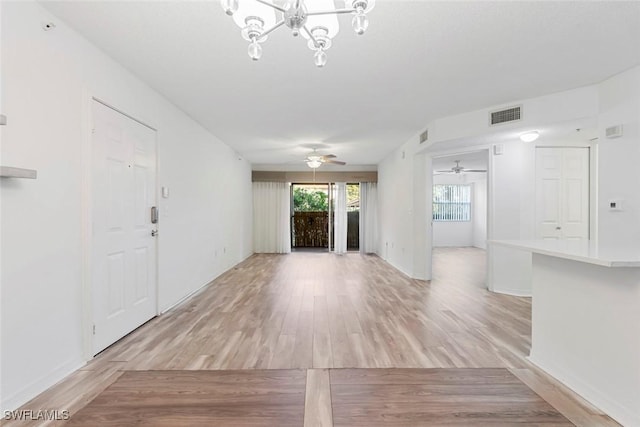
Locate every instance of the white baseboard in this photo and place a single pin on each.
(40, 385)
(201, 288)
(392, 264)
(512, 292)
(624, 415)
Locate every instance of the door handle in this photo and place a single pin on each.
(154, 233)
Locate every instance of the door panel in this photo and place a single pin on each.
(123, 249)
(141, 274)
(562, 193)
(115, 283)
(574, 201)
(576, 193)
(548, 192)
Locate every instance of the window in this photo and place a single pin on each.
(451, 202)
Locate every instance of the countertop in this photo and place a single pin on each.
(583, 251)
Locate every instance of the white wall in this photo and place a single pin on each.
(585, 332)
(619, 158)
(205, 225)
(614, 175)
(540, 111)
(397, 178)
(512, 187)
(465, 233)
(395, 202)
(454, 233)
(479, 215)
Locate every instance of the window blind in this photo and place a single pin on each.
(451, 202)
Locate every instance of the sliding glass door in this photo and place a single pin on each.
(313, 218)
(310, 216)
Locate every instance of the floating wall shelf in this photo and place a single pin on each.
(9, 172)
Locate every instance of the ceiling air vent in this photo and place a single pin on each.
(424, 136)
(507, 115)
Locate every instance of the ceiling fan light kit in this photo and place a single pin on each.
(257, 19)
(315, 160)
(314, 164)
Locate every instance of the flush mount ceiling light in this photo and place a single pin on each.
(316, 21)
(530, 136)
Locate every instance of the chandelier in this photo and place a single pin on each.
(316, 20)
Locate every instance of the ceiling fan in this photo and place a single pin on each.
(459, 169)
(315, 160)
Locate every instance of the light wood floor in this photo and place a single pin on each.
(317, 310)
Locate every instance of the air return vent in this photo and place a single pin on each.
(511, 114)
(614, 131)
(424, 136)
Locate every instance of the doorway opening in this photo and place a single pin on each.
(459, 209)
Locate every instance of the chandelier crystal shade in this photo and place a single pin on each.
(316, 20)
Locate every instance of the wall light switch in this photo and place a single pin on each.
(615, 205)
(498, 149)
(165, 192)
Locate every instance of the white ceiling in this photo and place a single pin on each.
(418, 61)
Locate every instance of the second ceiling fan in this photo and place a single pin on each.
(459, 169)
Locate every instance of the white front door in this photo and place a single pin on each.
(123, 262)
(562, 193)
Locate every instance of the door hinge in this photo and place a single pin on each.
(94, 329)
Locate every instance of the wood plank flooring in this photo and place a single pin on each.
(334, 397)
(199, 398)
(436, 397)
(318, 410)
(311, 310)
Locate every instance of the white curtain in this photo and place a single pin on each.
(340, 218)
(271, 217)
(368, 217)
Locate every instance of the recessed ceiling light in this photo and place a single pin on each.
(530, 136)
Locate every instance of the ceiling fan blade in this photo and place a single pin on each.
(329, 156)
(474, 170)
(445, 171)
(335, 162)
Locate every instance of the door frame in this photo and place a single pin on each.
(490, 202)
(86, 154)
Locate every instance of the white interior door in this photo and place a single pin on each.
(562, 193)
(123, 262)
